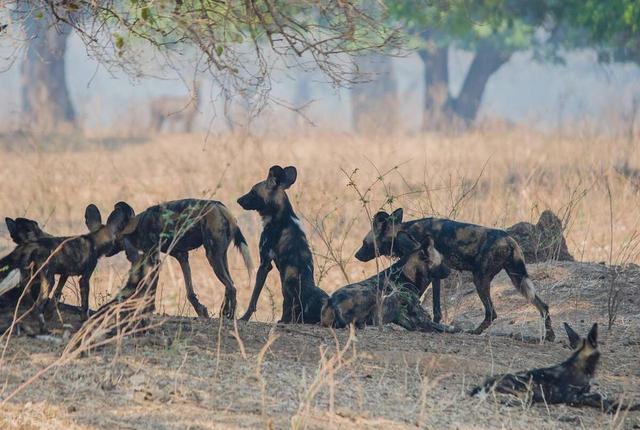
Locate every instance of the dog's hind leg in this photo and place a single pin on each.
(437, 312)
(517, 271)
(183, 260)
(483, 287)
(217, 260)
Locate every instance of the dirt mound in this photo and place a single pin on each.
(205, 374)
(543, 241)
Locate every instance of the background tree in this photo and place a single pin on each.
(46, 103)
(491, 30)
(240, 43)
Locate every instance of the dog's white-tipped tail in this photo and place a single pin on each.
(528, 289)
(246, 256)
(11, 281)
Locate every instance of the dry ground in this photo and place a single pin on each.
(194, 373)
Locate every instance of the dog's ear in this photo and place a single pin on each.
(124, 206)
(379, 221)
(118, 220)
(396, 216)
(405, 244)
(276, 173)
(92, 218)
(12, 227)
(130, 215)
(592, 337)
(289, 177)
(130, 227)
(574, 338)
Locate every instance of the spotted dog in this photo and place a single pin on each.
(568, 382)
(64, 256)
(181, 226)
(480, 250)
(393, 294)
(284, 243)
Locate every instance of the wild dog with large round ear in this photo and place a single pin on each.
(284, 242)
(180, 226)
(393, 294)
(23, 230)
(568, 382)
(480, 250)
(66, 256)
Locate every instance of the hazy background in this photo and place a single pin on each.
(535, 94)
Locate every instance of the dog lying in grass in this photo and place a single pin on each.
(391, 296)
(568, 382)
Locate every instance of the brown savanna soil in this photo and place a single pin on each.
(194, 373)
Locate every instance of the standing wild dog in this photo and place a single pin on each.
(568, 382)
(21, 230)
(283, 241)
(480, 250)
(397, 287)
(181, 226)
(66, 256)
(24, 230)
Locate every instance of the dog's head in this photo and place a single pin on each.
(24, 230)
(269, 197)
(421, 262)
(381, 238)
(586, 355)
(107, 236)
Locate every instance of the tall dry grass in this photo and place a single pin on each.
(494, 177)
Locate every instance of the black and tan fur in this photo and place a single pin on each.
(396, 288)
(568, 382)
(181, 226)
(24, 230)
(480, 250)
(283, 241)
(65, 256)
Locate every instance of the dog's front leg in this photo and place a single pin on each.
(85, 290)
(261, 277)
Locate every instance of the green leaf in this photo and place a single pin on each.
(219, 50)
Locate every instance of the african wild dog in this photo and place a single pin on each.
(24, 230)
(482, 251)
(283, 241)
(181, 226)
(65, 256)
(567, 382)
(397, 288)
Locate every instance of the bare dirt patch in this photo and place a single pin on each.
(195, 373)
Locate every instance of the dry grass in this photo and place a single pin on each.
(492, 177)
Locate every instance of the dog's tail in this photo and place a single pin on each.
(239, 240)
(517, 271)
(10, 276)
(241, 243)
(476, 390)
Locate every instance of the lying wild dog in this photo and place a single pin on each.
(394, 291)
(283, 241)
(567, 382)
(24, 230)
(181, 226)
(482, 251)
(64, 256)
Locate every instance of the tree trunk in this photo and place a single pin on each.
(487, 60)
(436, 115)
(45, 97)
(374, 104)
